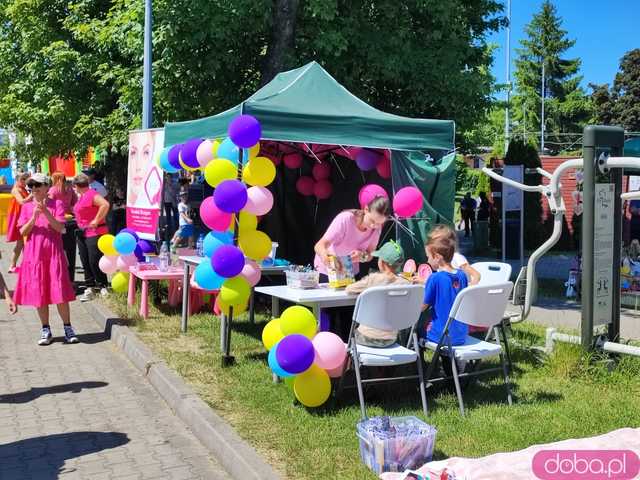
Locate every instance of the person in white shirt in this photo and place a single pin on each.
(94, 184)
(459, 261)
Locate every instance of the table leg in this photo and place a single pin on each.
(144, 300)
(223, 331)
(252, 307)
(131, 297)
(275, 307)
(186, 288)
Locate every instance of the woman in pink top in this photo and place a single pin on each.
(353, 232)
(43, 278)
(90, 211)
(60, 191)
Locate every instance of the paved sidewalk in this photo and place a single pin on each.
(82, 411)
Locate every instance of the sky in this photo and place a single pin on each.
(604, 30)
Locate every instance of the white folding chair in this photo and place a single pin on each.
(492, 272)
(393, 307)
(481, 306)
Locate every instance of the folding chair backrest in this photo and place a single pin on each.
(482, 305)
(392, 307)
(493, 272)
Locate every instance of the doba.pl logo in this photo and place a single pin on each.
(586, 464)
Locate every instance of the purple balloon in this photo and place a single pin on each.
(146, 246)
(295, 353)
(130, 231)
(230, 196)
(174, 156)
(245, 131)
(368, 159)
(138, 253)
(189, 152)
(227, 261)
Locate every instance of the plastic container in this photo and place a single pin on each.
(302, 279)
(394, 444)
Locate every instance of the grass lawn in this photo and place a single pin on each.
(569, 394)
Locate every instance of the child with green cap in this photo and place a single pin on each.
(390, 261)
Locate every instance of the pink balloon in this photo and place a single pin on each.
(305, 185)
(293, 160)
(369, 192)
(322, 189)
(259, 201)
(321, 171)
(251, 272)
(123, 262)
(204, 153)
(213, 217)
(384, 167)
(330, 350)
(407, 202)
(337, 372)
(108, 264)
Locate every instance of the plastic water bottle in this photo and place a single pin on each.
(165, 259)
(200, 245)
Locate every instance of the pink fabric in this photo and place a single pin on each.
(43, 278)
(344, 237)
(517, 465)
(85, 211)
(68, 198)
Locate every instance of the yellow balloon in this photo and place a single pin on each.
(219, 170)
(271, 334)
(235, 291)
(313, 387)
(255, 244)
(105, 245)
(120, 282)
(254, 151)
(184, 165)
(215, 144)
(260, 171)
(298, 319)
(237, 309)
(248, 221)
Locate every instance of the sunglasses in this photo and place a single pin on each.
(34, 185)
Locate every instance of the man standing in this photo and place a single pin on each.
(95, 184)
(468, 212)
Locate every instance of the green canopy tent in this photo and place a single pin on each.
(307, 105)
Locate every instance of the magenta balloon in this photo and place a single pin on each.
(384, 167)
(322, 189)
(407, 201)
(213, 217)
(245, 131)
(293, 160)
(305, 185)
(321, 171)
(189, 150)
(295, 353)
(251, 272)
(367, 159)
(369, 192)
(227, 261)
(174, 156)
(259, 201)
(230, 196)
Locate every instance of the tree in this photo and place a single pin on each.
(567, 107)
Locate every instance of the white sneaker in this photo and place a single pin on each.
(45, 336)
(104, 293)
(87, 295)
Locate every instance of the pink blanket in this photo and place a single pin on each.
(518, 465)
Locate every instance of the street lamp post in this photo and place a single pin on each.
(147, 88)
(542, 115)
(506, 112)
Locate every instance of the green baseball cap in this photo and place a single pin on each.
(391, 253)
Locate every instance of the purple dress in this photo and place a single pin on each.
(43, 278)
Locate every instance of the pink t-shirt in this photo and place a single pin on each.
(85, 211)
(67, 197)
(344, 237)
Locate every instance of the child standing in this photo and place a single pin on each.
(185, 222)
(442, 288)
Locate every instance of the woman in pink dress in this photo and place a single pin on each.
(43, 279)
(20, 197)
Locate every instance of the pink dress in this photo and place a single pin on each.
(43, 278)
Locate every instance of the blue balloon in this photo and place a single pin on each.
(229, 150)
(215, 240)
(124, 243)
(206, 278)
(273, 363)
(164, 161)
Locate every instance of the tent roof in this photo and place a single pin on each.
(309, 105)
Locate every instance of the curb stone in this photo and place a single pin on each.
(237, 457)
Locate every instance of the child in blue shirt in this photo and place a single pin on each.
(442, 288)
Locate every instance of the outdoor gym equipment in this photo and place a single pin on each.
(601, 233)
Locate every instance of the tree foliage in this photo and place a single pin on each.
(567, 107)
(71, 70)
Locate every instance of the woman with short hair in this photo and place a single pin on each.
(62, 192)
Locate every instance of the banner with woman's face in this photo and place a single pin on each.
(144, 182)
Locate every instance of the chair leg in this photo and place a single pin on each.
(506, 346)
(356, 364)
(506, 379)
(423, 393)
(456, 380)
